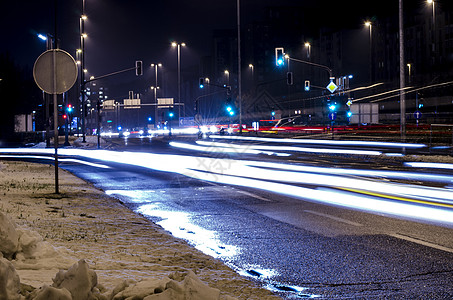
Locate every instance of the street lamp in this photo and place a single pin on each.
(42, 37)
(409, 66)
(227, 74)
(178, 45)
(308, 46)
(155, 91)
(49, 45)
(402, 71)
(83, 36)
(431, 2)
(434, 14)
(370, 26)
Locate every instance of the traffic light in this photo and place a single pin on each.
(201, 83)
(279, 57)
(69, 108)
(229, 107)
(307, 85)
(230, 110)
(171, 113)
(289, 78)
(332, 107)
(138, 68)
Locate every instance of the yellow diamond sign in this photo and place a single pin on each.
(332, 87)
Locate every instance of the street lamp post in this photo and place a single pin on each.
(431, 2)
(155, 92)
(409, 68)
(227, 75)
(252, 69)
(83, 35)
(178, 45)
(434, 12)
(308, 46)
(370, 26)
(402, 74)
(238, 7)
(49, 45)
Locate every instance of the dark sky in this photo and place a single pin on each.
(120, 32)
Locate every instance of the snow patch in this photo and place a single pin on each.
(26, 248)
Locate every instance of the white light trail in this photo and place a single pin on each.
(429, 165)
(325, 185)
(288, 148)
(321, 142)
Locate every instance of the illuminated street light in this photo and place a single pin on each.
(155, 91)
(409, 66)
(83, 36)
(178, 45)
(227, 74)
(308, 46)
(431, 2)
(42, 37)
(370, 25)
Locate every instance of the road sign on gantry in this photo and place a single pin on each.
(332, 87)
(55, 71)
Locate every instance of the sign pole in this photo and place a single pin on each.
(55, 72)
(55, 119)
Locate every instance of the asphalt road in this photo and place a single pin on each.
(292, 244)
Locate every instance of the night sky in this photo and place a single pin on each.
(120, 32)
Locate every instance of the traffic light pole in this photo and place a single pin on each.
(139, 71)
(315, 65)
(110, 74)
(66, 120)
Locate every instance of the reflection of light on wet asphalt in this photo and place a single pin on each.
(292, 291)
(178, 223)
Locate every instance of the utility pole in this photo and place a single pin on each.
(82, 74)
(402, 74)
(239, 65)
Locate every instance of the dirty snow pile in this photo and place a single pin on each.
(26, 247)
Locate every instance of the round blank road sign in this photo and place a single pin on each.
(55, 71)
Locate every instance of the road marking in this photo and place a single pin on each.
(334, 218)
(420, 242)
(254, 196)
(222, 189)
(386, 196)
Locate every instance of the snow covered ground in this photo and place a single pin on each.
(82, 244)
